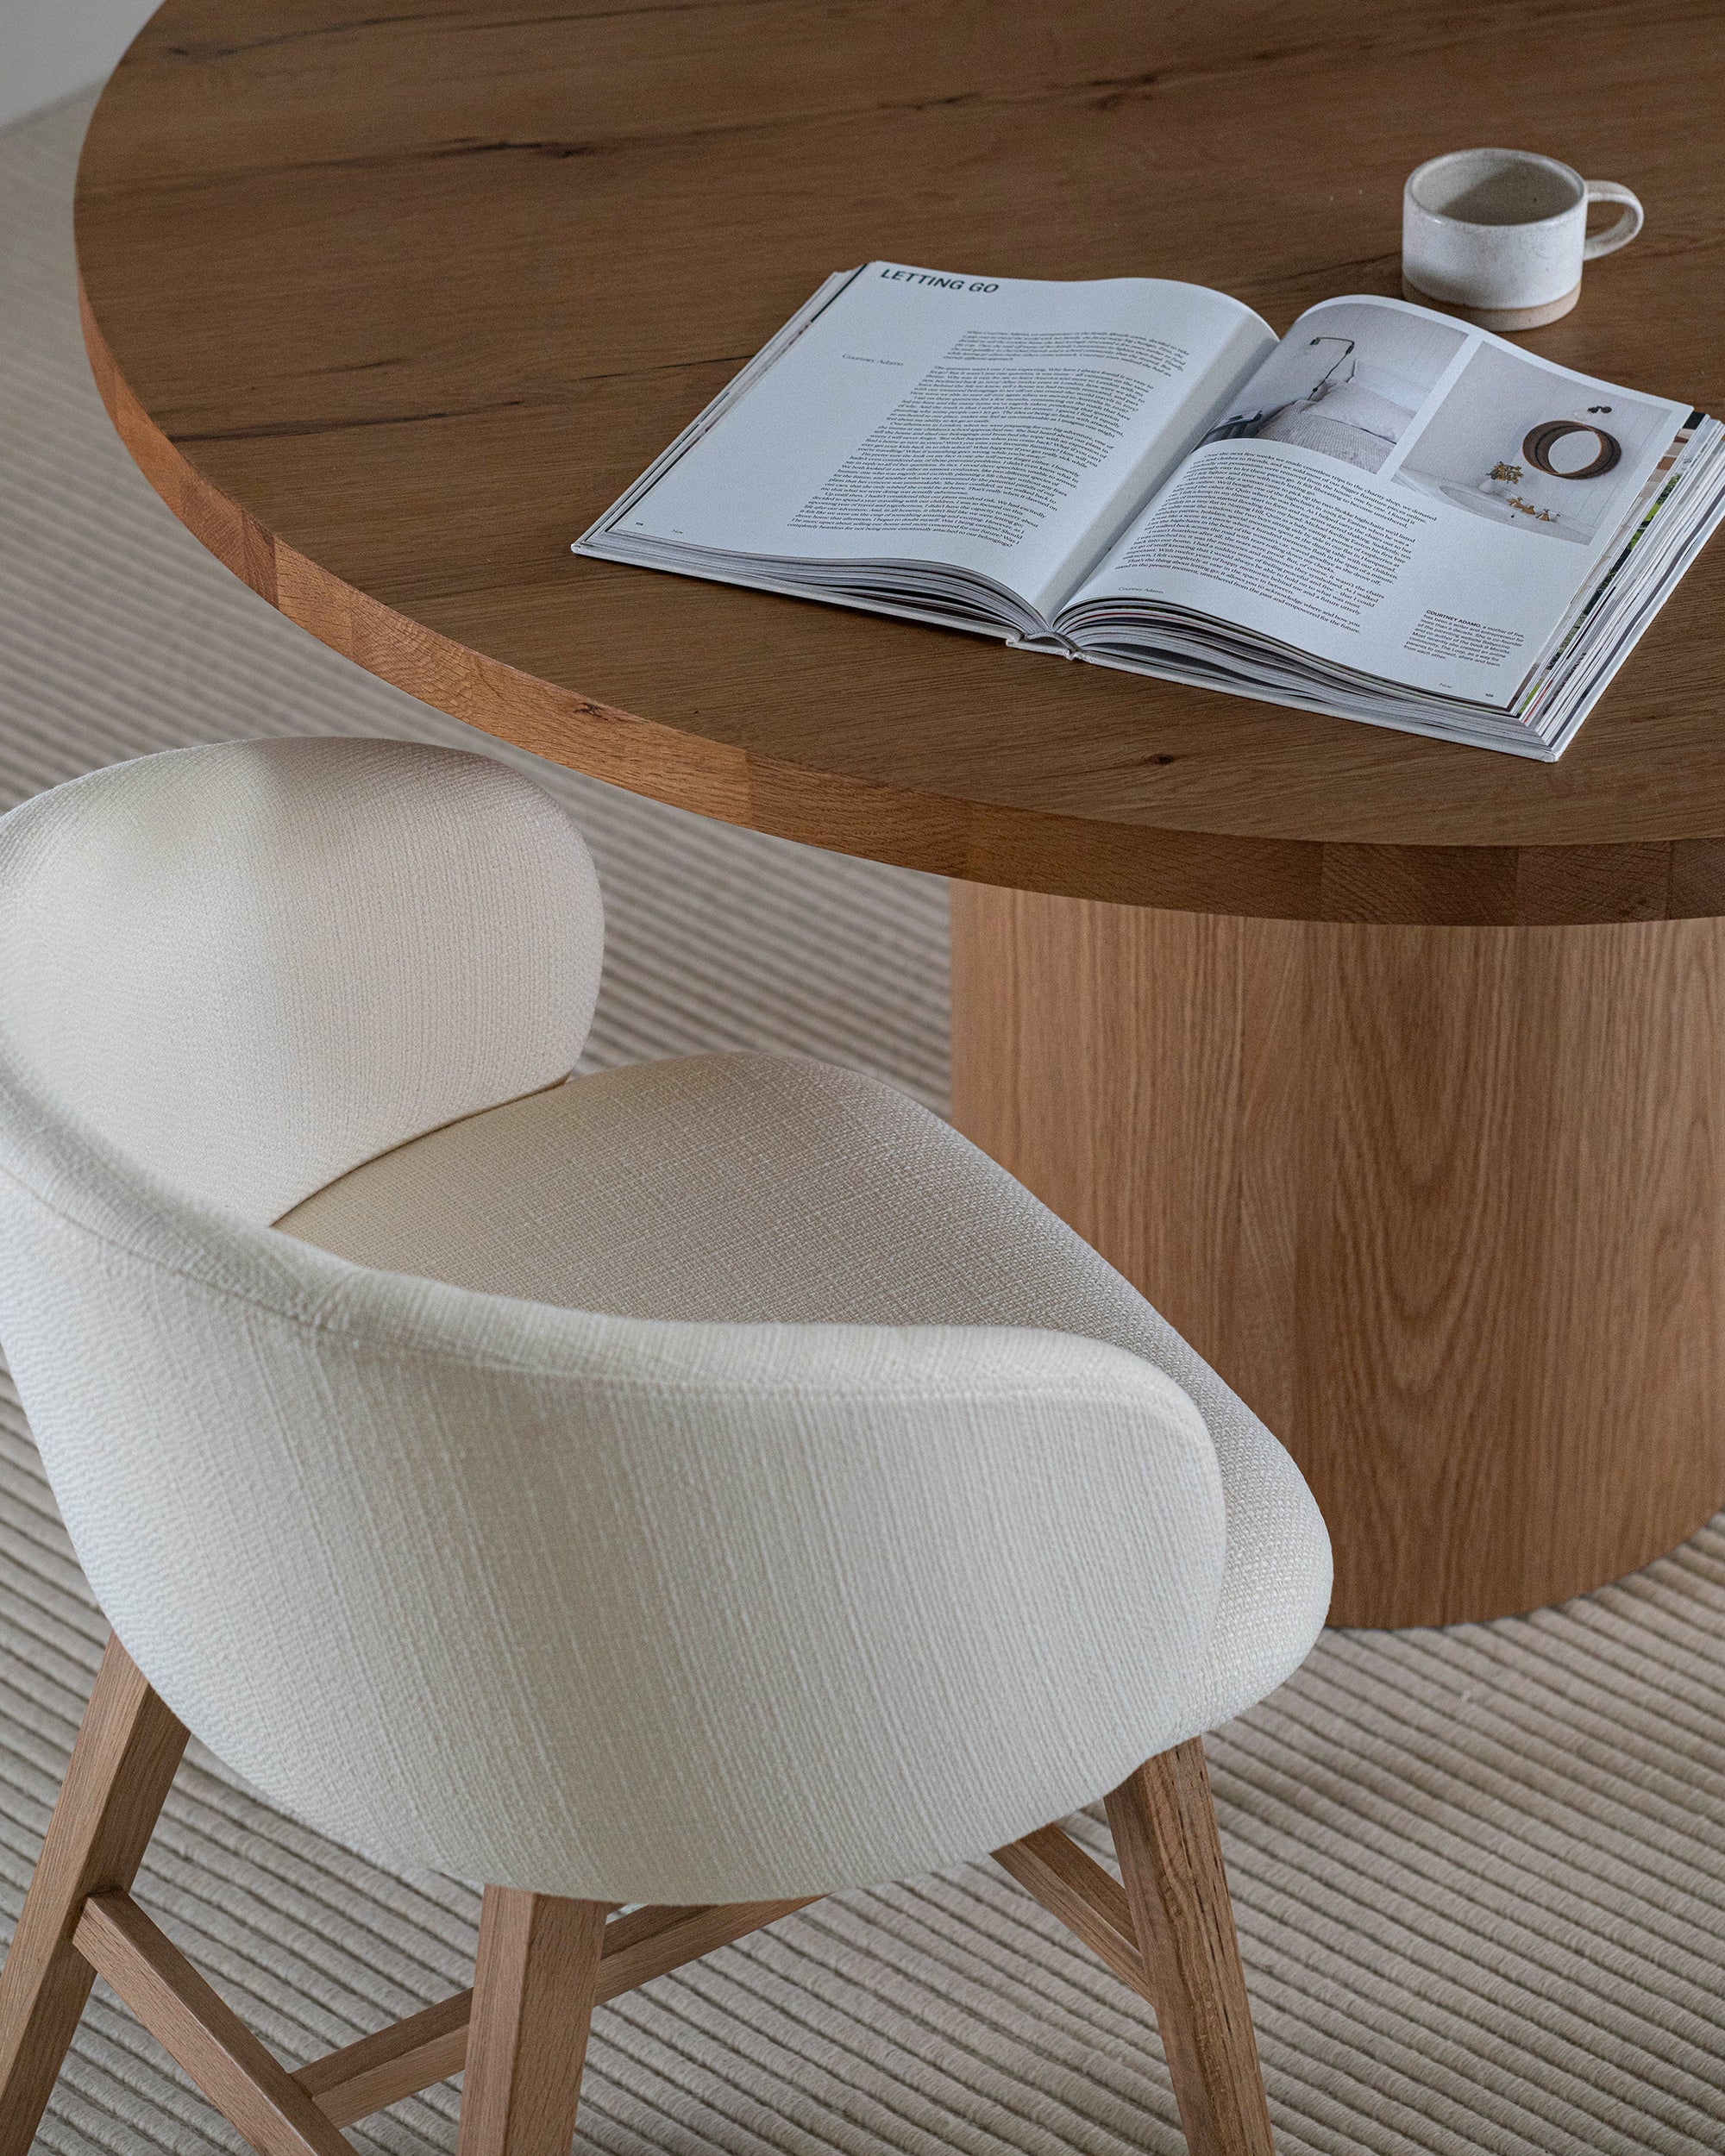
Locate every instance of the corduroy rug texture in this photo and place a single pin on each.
(1479, 1874)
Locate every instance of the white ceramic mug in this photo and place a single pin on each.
(1500, 235)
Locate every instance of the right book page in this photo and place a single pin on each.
(1397, 493)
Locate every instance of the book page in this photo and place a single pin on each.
(1002, 426)
(1395, 492)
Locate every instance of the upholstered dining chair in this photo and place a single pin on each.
(684, 1491)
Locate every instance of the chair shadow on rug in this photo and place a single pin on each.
(670, 1496)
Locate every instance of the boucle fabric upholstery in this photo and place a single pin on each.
(761, 1190)
(630, 1608)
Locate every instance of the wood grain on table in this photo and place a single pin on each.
(390, 307)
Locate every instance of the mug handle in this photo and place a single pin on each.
(1615, 235)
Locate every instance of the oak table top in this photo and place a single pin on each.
(389, 305)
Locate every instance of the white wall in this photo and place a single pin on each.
(48, 49)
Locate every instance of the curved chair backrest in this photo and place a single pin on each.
(615, 1608)
(254, 966)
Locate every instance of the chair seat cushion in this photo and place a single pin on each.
(754, 1189)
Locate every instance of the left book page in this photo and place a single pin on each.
(916, 434)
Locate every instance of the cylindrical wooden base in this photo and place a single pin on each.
(1446, 1206)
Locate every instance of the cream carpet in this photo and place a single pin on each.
(1480, 1874)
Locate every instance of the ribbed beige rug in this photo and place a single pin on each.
(1480, 1874)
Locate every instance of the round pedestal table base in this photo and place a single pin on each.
(1443, 1204)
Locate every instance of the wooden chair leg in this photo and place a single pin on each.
(534, 1988)
(128, 1748)
(1165, 1830)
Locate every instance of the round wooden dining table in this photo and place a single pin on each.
(1392, 1071)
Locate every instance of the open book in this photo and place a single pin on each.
(1385, 514)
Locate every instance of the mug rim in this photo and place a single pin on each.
(1471, 224)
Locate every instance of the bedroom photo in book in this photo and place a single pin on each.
(1351, 392)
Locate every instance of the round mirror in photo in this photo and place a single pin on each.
(1518, 445)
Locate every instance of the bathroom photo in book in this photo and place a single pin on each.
(1385, 514)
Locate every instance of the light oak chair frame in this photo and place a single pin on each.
(544, 1962)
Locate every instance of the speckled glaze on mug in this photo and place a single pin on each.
(1499, 236)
